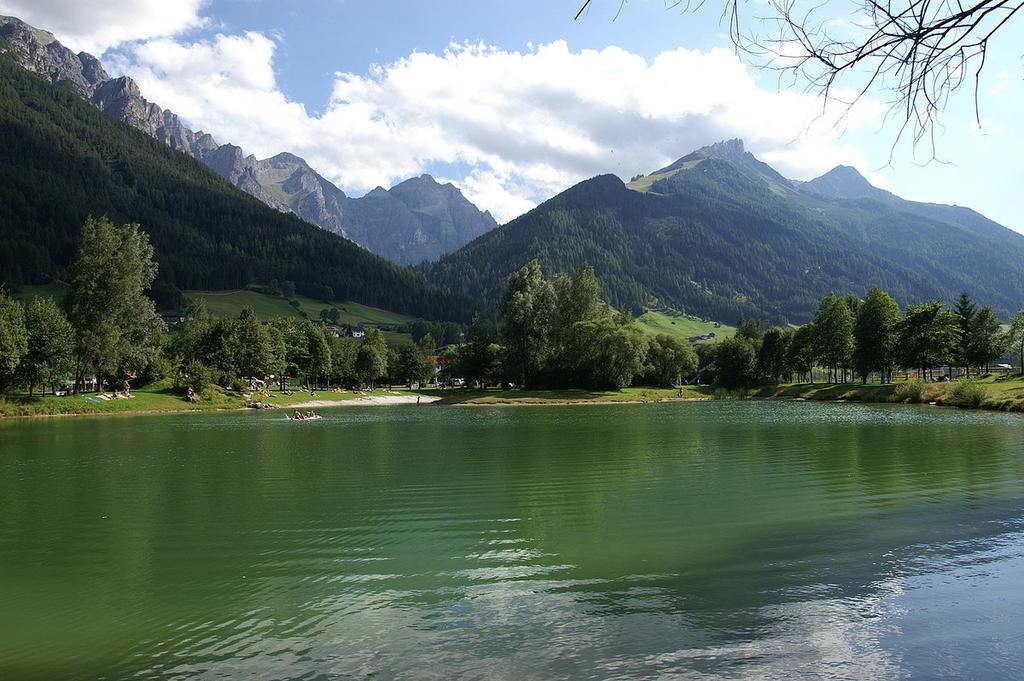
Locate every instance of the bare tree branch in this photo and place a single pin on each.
(920, 52)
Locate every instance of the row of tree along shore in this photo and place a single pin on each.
(870, 338)
(552, 333)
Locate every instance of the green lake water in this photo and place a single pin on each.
(755, 540)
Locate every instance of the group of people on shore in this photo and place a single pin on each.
(125, 394)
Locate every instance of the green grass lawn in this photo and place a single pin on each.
(230, 303)
(684, 326)
(997, 392)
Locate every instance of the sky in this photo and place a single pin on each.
(514, 100)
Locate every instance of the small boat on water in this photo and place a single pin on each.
(304, 417)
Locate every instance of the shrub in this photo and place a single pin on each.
(911, 391)
(726, 394)
(967, 392)
(196, 375)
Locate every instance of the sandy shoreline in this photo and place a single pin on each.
(369, 400)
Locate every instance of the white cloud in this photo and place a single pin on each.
(527, 124)
(96, 25)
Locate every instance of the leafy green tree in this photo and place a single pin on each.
(372, 357)
(874, 333)
(986, 342)
(476, 359)
(926, 337)
(833, 324)
(613, 354)
(1015, 338)
(801, 354)
(253, 346)
(51, 342)
(13, 338)
(116, 325)
(427, 344)
(412, 365)
(294, 342)
(771, 356)
(751, 329)
(528, 309)
(343, 360)
(319, 367)
(735, 361)
(670, 358)
(578, 298)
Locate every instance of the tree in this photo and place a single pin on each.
(254, 349)
(476, 359)
(670, 358)
(116, 326)
(735, 361)
(319, 367)
(833, 324)
(372, 357)
(925, 337)
(965, 311)
(412, 365)
(922, 52)
(874, 335)
(528, 309)
(343, 360)
(293, 342)
(771, 356)
(749, 328)
(13, 338)
(1015, 338)
(51, 340)
(801, 354)
(985, 343)
(614, 352)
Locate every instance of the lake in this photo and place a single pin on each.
(746, 540)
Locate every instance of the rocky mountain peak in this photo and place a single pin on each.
(846, 182)
(40, 52)
(419, 219)
(728, 149)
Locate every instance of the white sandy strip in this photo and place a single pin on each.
(369, 400)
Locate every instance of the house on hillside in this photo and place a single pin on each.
(172, 320)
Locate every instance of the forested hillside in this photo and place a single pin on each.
(720, 235)
(61, 160)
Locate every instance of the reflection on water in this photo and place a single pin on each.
(691, 541)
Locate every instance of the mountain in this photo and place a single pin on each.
(844, 182)
(720, 234)
(418, 225)
(62, 160)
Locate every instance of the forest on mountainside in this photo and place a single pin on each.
(725, 239)
(61, 161)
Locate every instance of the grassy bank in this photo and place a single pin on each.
(158, 398)
(996, 393)
(991, 393)
(565, 396)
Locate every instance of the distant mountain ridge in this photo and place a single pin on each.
(720, 234)
(407, 228)
(62, 160)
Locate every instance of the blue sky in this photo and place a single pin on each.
(513, 100)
